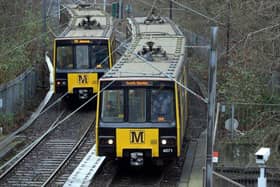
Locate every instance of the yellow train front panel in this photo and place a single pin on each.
(137, 139)
(82, 80)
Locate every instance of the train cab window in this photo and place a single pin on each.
(99, 56)
(64, 57)
(137, 105)
(112, 106)
(162, 106)
(82, 60)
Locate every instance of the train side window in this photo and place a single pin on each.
(112, 106)
(99, 56)
(82, 57)
(64, 57)
(137, 105)
(162, 106)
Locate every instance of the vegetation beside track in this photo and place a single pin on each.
(20, 37)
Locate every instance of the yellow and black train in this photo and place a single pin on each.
(142, 110)
(83, 52)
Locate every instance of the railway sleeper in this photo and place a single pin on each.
(28, 172)
(29, 184)
(49, 165)
(54, 161)
(60, 148)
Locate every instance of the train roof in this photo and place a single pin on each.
(88, 21)
(157, 51)
(154, 25)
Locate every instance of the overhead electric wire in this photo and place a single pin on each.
(152, 8)
(26, 42)
(23, 44)
(31, 22)
(189, 9)
(84, 104)
(54, 103)
(89, 100)
(49, 8)
(60, 98)
(144, 2)
(205, 100)
(38, 21)
(42, 34)
(197, 12)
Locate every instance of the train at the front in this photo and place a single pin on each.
(83, 52)
(142, 110)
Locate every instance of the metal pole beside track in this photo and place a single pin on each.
(58, 10)
(120, 9)
(170, 9)
(104, 5)
(211, 105)
(228, 30)
(44, 45)
(44, 29)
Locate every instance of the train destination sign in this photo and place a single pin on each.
(138, 83)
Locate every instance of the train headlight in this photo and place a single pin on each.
(163, 141)
(168, 141)
(61, 83)
(106, 140)
(110, 141)
(58, 83)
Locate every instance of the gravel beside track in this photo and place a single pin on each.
(38, 165)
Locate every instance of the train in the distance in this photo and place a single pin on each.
(141, 108)
(83, 52)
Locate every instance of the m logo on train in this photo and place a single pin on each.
(83, 79)
(137, 137)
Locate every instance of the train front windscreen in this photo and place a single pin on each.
(91, 55)
(139, 105)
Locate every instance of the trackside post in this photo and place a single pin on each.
(211, 105)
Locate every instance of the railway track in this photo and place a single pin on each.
(83, 146)
(48, 153)
(121, 174)
(249, 176)
(30, 133)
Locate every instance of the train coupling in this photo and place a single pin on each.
(136, 159)
(83, 93)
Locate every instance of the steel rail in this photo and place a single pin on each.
(30, 149)
(78, 144)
